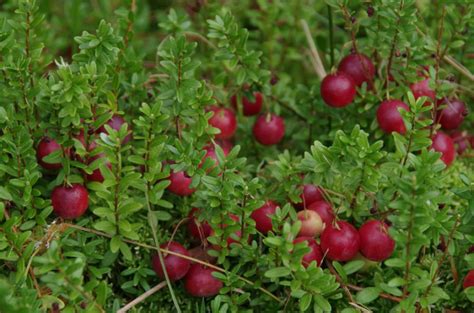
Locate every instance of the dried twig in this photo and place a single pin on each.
(319, 67)
(142, 297)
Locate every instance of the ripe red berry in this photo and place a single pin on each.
(199, 282)
(70, 201)
(469, 280)
(116, 123)
(310, 194)
(375, 242)
(389, 118)
(45, 147)
(422, 89)
(311, 223)
(249, 107)
(262, 217)
(180, 183)
(324, 210)
(444, 144)
(340, 242)
(223, 119)
(338, 90)
(269, 129)
(359, 67)
(176, 267)
(453, 114)
(199, 230)
(314, 254)
(96, 174)
(461, 141)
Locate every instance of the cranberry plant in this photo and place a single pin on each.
(236, 156)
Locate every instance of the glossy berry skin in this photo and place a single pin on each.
(311, 223)
(389, 118)
(180, 184)
(199, 281)
(338, 90)
(324, 211)
(269, 129)
(116, 123)
(45, 147)
(223, 119)
(453, 113)
(176, 267)
(375, 242)
(70, 202)
(468, 280)
(310, 194)
(422, 89)
(262, 217)
(315, 254)
(359, 67)
(444, 144)
(341, 242)
(249, 108)
(198, 230)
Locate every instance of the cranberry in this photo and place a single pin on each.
(224, 119)
(262, 216)
(311, 193)
(461, 141)
(338, 90)
(269, 129)
(199, 282)
(359, 67)
(469, 280)
(375, 242)
(45, 147)
(116, 123)
(444, 144)
(314, 254)
(176, 267)
(453, 114)
(249, 107)
(70, 201)
(180, 183)
(370, 11)
(96, 174)
(422, 89)
(324, 210)
(340, 242)
(199, 230)
(389, 118)
(311, 223)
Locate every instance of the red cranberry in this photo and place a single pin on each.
(262, 216)
(249, 107)
(226, 145)
(453, 114)
(70, 201)
(224, 119)
(91, 141)
(96, 174)
(314, 254)
(180, 183)
(359, 67)
(116, 123)
(311, 193)
(338, 90)
(199, 282)
(199, 230)
(422, 89)
(461, 141)
(375, 242)
(176, 267)
(370, 11)
(341, 241)
(389, 118)
(45, 147)
(324, 210)
(311, 223)
(269, 129)
(444, 144)
(469, 280)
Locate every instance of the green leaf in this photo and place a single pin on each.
(368, 295)
(353, 266)
(5, 194)
(277, 272)
(115, 243)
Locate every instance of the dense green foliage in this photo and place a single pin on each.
(68, 66)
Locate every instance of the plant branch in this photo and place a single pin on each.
(320, 71)
(339, 280)
(142, 297)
